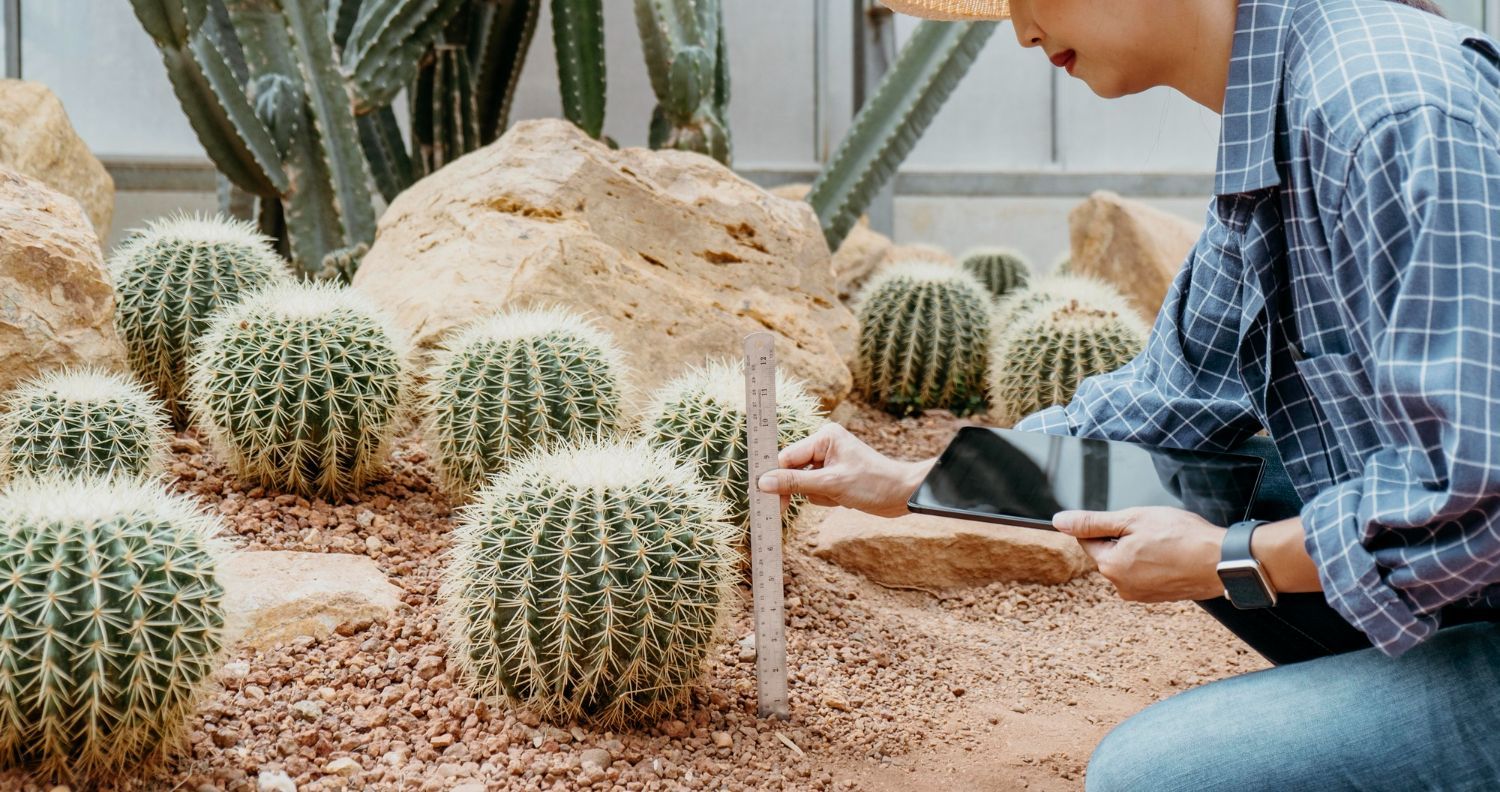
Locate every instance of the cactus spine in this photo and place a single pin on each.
(169, 278)
(1052, 348)
(515, 381)
(88, 421)
(589, 581)
(688, 62)
(300, 387)
(110, 620)
(578, 35)
(1093, 292)
(924, 331)
(700, 417)
(1001, 270)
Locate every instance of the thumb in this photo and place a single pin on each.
(791, 482)
(1090, 524)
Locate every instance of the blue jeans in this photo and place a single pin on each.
(1334, 714)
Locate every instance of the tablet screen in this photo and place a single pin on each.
(1024, 478)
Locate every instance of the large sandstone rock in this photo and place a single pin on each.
(273, 597)
(861, 252)
(57, 306)
(37, 139)
(923, 551)
(1136, 247)
(674, 254)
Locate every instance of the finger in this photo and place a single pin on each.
(794, 482)
(1097, 549)
(810, 450)
(1090, 524)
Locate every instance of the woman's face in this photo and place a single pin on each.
(1110, 41)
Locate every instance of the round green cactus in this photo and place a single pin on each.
(301, 387)
(169, 278)
(110, 620)
(1054, 347)
(1001, 270)
(85, 421)
(509, 383)
(923, 339)
(700, 417)
(589, 580)
(1013, 307)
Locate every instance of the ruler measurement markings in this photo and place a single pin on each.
(765, 528)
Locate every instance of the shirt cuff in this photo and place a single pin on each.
(1053, 420)
(1353, 582)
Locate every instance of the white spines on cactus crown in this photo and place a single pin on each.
(81, 499)
(917, 272)
(604, 464)
(86, 385)
(295, 301)
(722, 381)
(201, 229)
(1085, 289)
(995, 251)
(528, 323)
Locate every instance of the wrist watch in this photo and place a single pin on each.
(1245, 582)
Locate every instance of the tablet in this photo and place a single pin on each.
(1023, 478)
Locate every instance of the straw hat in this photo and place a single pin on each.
(967, 10)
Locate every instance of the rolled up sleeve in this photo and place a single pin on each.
(1417, 266)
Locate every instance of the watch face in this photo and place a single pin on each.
(1244, 587)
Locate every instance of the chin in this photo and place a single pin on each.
(1112, 88)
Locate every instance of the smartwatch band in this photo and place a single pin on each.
(1245, 582)
(1236, 545)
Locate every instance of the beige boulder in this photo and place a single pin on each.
(272, 597)
(922, 551)
(1136, 247)
(674, 254)
(57, 305)
(37, 139)
(862, 251)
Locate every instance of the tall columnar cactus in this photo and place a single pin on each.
(578, 36)
(888, 126)
(924, 335)
(700, 416)
(110, 621)
(1041, 360)
(589, 581)
(688, 62)
(273, 88)
(169, 278)
(300, 387)
(87, 421)
(515, 381)
(1001, 270)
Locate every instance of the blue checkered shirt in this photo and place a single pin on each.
(1345, 296)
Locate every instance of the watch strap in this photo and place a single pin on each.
(1236, 545)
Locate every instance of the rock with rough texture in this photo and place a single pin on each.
(1136, 247)
(57, 305)
(38, 140)
(858, 255)
(674, 254)
(273, 597)
(923, 551)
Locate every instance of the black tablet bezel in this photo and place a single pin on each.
(1026, 522)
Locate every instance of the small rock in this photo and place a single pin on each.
(723, 740)
(60, 788)
(308, 710)
(675, 728)
(747, 648)
(373, 545)
(442, 741)
(429, 667)
(470, 786)
(274, 781)
(597, 758)
(343, 767)
(834, 702)
(235, 671)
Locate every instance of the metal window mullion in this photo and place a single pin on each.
(13, 39)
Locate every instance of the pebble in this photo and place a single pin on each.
(723, 740)
(747, 648)
(308, 710)
(235, 671)
(597, 758)
(274, 781)
(429, 667)
(442, 741)
(342, 767)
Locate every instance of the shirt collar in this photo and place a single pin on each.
(1247, 126)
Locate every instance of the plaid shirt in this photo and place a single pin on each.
(1345, 296)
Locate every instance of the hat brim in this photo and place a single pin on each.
(952, 10)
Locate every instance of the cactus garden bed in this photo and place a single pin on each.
(1004, 687)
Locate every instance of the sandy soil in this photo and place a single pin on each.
(1005, 687)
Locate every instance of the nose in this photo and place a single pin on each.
(1026, 32)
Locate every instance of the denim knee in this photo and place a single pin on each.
(1153, 750)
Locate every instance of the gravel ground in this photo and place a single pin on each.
(1004, 687)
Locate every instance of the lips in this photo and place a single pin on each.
(1065, 60)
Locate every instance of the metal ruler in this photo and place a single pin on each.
(765, 527)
